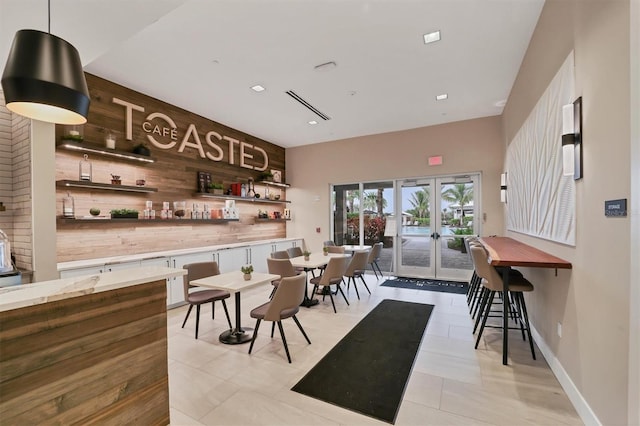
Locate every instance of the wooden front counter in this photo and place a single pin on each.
(86, 359)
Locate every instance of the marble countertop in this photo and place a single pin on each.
(86, 263)
(20, 296)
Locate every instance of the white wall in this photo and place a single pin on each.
(592, 300)
(466, 146)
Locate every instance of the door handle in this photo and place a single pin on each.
(435, 236)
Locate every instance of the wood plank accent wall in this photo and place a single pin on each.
(173, 173)
(94, 359)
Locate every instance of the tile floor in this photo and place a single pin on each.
(451, 383)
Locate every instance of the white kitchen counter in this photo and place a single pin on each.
(63, 266)
(48, 291)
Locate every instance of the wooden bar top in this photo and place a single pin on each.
(505, 251)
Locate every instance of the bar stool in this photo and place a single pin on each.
(492, 282)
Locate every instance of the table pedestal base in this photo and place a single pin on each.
(236, 336)
(309, 302)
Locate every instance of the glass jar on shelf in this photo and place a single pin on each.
(85, 169)
(179, 209)
(68, 206)
(251, 193)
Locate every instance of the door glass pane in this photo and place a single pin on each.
(415, 231)
(346, 208)
(456, 221)
(377, 204)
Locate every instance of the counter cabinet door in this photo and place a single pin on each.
(110, 267)
(78, 272)
(175, 291)
(232, 259)
(160, 261)
(259, 254)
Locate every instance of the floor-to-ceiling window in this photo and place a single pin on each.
(360, 213)
(421, 222)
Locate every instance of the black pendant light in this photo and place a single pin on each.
(43, 79)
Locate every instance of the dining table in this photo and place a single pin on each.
(314, 261)
(506, 251)
(354, 248)
(235, 282)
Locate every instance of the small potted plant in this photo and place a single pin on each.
(325, 250)
(115, 180)
(266, 177)
(247, 270)
(73, 133)
(216, 188)
(141, 149)
(306, 254)
(124, 214)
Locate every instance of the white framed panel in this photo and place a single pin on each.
(540, 200)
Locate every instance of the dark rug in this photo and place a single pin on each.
(427, 284)
(368, 369)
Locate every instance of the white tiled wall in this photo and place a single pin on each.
(15, 183)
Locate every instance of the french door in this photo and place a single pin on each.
(434, 215)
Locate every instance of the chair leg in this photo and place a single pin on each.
(365, 284)
(473, 282)
(332, 303)
(187, 317)
(354, 286)
(375, 262)
(197, 319)
(483, 290)
(301, 329)
(481, 307)
(255, 333)
(284, 341)
(518, 307)
(272, 293)
(273, 328)
(343, 295)
(374, 269)
(484, 318)
(226, 312)
(526, 320)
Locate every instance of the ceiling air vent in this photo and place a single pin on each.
(307, 105)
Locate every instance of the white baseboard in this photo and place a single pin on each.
(579, 403)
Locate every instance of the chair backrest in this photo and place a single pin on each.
(334, 271)
(282, 267)
(282, 254)
(288, 296)
(195, 271)
(358, 263)
(484, 270)
(467, 241)
(294, 251)
(328, 243)
(335, 249)
(374, 254)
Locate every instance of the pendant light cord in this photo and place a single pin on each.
(49, 16)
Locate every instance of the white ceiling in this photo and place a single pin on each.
(203, 56)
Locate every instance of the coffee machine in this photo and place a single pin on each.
(9, 275)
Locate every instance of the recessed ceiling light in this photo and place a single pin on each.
(442, 97)
(431, 37)
(313, 122)
(257, 88)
